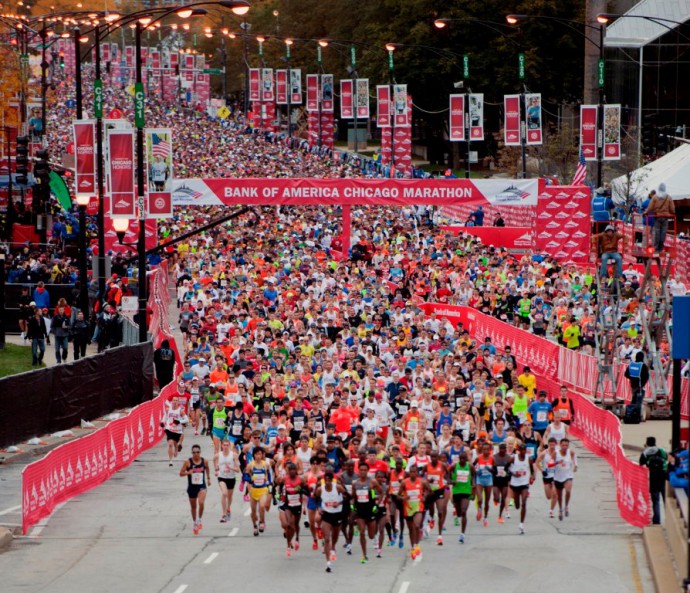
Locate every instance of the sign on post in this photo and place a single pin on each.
(601, 73)
(139, 104)
(98, 98)
(521, 66)
(466, 66)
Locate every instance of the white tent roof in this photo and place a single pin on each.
(638, 32)
(673, 169)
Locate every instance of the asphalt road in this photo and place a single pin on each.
(133, 533)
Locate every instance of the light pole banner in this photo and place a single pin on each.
(533, 116)
(383, 100)
(312, 92)
(327, 93)
(85, 161)
(588, 132)
(400, 105)
(160, 172)
(476, 109)
(121, 169)
(295, 86)
(281, 87)
(346, 105)
(267, 85)
(511, 120)
(254, 84)
(362, 98)
(129, 56)
(612, 132)
(456, 122)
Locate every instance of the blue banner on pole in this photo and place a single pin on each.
(681, 321)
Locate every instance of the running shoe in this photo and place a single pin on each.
(315, 545)
(224, 519)
(486, 522)
(241, 485)
(507, 514)
(551, 514)
(196, 433)
(256, 531)
(348, 549)
(413, 553)
(328, 567)
(246, 497)
(296, 545)
(195, 529)
(333, 557)
(364, 560)
(418, 550)
(262, 527)
(479, 515)
(456, 522)
(319, 534)
(431, 523)
(560, 515)
(522, 529)
(179, 448)
(378, 552)
(288, 552)
(567, 512)
(391, 542)
(501, 520)
(439, 541)
(461, 539)
(170, 464)
(401, 542)
(228, 515)
(201, 526)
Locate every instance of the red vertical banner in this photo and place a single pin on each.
(612, 132)
(476, 109)
(346, 106)
(121, 165)
(254, 84)
(281, 87)
(588, 132)
(129, 56)
(533, 117)
(386, 145)
(511, 120)
(327, 93)
(312, 92)
(85, 162)
(456, 122)
(383, 100)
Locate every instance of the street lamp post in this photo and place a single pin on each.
(139, 104)
(288, 44)
(355, 104)
(391, 102)
(76, 37)
(319, 88)
(82, 203)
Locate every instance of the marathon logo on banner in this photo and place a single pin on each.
(567, 234)
(476, 109)
(346, 100)
(327, 93)
(160, 172)
(361, 100)
(534, 118)
(457, 118)
(268, 93)
(303, 191)
(400, 111)
(121, 169)
(511, 120)
(255, 84)
(612, 132)
(85, 161)
(295, 87)
(588, 132)
(281, 87)
(383, 100)
(312, 92)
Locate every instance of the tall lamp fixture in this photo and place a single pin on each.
(82, 203)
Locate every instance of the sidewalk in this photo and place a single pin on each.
(634, 436)
(49, 357)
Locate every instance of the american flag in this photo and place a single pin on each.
(159, 146)
(581, 171)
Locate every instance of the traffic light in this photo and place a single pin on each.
(42, 175)
(649, 134)
(62, 59)
(22, 160)
(662, 144)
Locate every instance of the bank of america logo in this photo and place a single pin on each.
(188, 192)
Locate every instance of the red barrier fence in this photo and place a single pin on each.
(82, 464)
(516, 238)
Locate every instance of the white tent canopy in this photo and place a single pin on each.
(673, 169)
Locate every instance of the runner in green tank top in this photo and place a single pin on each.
(462, 478)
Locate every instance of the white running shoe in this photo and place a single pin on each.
(522, 529)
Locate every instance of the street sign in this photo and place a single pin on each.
(318, 54)
(139, 104)
(601, 73)
(70, 103)
(390, 60)
(353, 56)
(98, 98)
(466, 66)
(521, 66)
(212, 71)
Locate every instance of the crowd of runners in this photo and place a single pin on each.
(327, 394)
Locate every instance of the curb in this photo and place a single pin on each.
(28, 456)
(659, 559)
(6, 538)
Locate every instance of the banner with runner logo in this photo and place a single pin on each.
(85, 156)
(295, 86)
(267, 90)
(160, 172)
(588, 132)
(327, 93)
(533, 117)
(456, 123)
(346, 99)
(383, 101)
(362, 98)
(563, 223)
(476, 109)
(513, 238)
(312, 92)
(612, 133)
(511, 120)
(400, 111)
(255, 84)
(121, 172)
(281, 87)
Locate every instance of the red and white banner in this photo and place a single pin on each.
(312, 92)
(303, 191)
(327, 93)
(401, 113)
(563, 222)
(476, 110)
(514, 238)
(511, 120)
(588, 132)
(533, 117)
(85, 161)
(160, 172)
(281, 87)
(129, 242)
(346, 99)
(361, 100)
(159, 205)
(456, 123)
(295, 86)
(326, 130)
(255, 84)
(121, 173)
(383, 101)
(267, 90)
(612, 133)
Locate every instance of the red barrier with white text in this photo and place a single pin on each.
(82, 464)
(563, 222)
(517, 238)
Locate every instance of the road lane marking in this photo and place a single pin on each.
(43, 523)
(404, 587)
(181, 589)
(248, 512)
(234, 532)
(211, 558)
(10, 510)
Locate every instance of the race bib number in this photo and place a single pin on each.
(293, 500)
(197, 479)
(563, 413)
(259, 480)
(362, 496)
(236, 430)
(219, 423)
(501, 472)
(299, 424)
(463, 477)
(541, 416)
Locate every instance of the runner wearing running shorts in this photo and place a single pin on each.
(198, 475)
(227, 465)
(521, 471)
(462, 478)
(413, 492)
(331, 497)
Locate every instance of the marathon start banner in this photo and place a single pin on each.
(304, 191)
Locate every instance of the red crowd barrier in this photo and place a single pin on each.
(509, 237)
(82, 464)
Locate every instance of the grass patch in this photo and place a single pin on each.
(15, 359)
